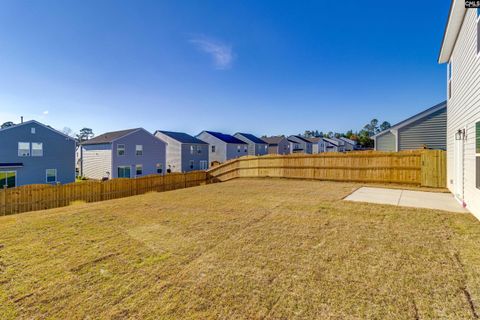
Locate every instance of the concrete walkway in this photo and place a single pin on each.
(407, 198)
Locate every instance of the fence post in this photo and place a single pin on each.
(4, 200)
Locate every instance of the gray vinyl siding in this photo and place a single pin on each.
(283, 147)
(196, 157)
(154, 152)
(220, 154)
(254, 149)
(97, 161)
(58, 153)
(385, 142)
(305, 146)
(234, 152)
(464, 108)
(430, 131)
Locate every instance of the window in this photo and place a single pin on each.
(51, 175)
(213, 148)
(245, 148)
(139, 150)
(138, 170)
(8, 179)
(32, 130)
(477, 148)
(37, 149)
(203, 165)
(192, 163)
(121, 149)
(199, 148)
(123, 172)
(159, 168)
(238, 148)
(24, 149)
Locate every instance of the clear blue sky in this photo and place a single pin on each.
(266, 67)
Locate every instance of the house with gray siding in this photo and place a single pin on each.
(425, 130)
(333, 145)
(256, 146)
(318, 144)
(223, 147)
(300, 144)
(277, 145)
(128, 153)
(460, 51)
(184, 152)
(34, 153)
(349, 144)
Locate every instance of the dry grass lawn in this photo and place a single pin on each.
(244, 249)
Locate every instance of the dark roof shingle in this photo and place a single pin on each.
(226, 137)
(108, 137)
(252, 138)
(182, 137)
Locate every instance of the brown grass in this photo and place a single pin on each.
(244, 249)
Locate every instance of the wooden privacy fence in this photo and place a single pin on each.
(39, 197)
(420, 167)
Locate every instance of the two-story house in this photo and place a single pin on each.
(256, 146)
(123, 154)
(33, 153)
(184, 152)
(460, 50)
(277, 145)
(300, 144)
(223, 147)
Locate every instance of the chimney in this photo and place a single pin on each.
(21, 119)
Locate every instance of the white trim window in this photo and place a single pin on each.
(238, 148)
(138, 170)
(51, 175)
(120, 149)
(8, 179)
(213, 149)
(32, 130)
(245, 148)
(123, 171)
(139, 150)
(203, 164)
(24, 149)
(193, 149)
(37, 149)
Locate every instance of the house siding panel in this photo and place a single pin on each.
(58, 153)
(385, 142)
(430, 131)
(97, 161)
(464, 108)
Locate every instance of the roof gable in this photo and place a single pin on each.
(182, 137)
(412, 119)
(225, 137)
(251, 137)
(452, 29)
(109, 137)
(37, 123)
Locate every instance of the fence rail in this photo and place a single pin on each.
(420, 167)
(39, 197)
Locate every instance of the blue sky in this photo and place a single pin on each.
(266, 67)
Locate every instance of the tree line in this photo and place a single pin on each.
(363, 137)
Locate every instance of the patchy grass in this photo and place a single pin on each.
(244, 249)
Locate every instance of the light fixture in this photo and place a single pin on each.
(460, 135)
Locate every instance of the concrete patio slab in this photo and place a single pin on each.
(407, 198)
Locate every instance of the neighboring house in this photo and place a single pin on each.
(277, 145)
(184, 152)
(123, 154)
(318, 144)
(461, 50)
(223, 147)
(299, 144)
(33, 153)
(333, 145)
(256, 146)
(428, 129)
(350, 144)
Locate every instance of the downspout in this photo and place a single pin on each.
(395, 133)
